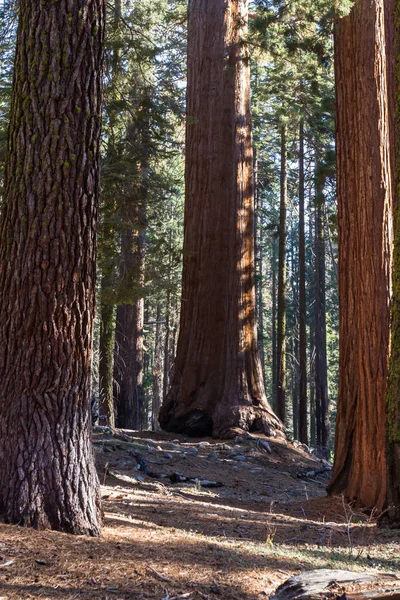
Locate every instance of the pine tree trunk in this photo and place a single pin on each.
(281, 324)
(106, 364)
(47, 269)
(365, 240)
(157, 372)
(274, 314)
(303, 434)
(321, 363)
(217, 383)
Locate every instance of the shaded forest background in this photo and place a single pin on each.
(142, 196)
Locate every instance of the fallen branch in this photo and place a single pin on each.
(306, 474)
(158, 575)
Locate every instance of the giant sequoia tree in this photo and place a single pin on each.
(365, 229)
(47, 269)
(218, 384)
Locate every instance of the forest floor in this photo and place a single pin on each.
(170, 541)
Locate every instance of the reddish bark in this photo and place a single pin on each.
(365, 257)
(217, 384)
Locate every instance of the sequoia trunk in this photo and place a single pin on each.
(47, 269)
(217, 384)
(365, 248)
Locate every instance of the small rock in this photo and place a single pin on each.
(138, 477)
(167, 455)
(239, 458)
(40, 561)
(204, 445)
(265, 445)
(193, 451)
(256, 470)
(159, 448)
(212, 456)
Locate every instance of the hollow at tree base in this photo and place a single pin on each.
(199, 423)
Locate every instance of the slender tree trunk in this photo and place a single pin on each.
(321, 364)
(258, 263)
(157, 372)
(106, 364)
(391, 517)
(274, 314)
(365, 248)
(281, 325)
(47, 269)
(303, 434)
(218, 385)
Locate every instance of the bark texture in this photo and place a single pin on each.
(47, 269)
(217, 384)
(365, 247)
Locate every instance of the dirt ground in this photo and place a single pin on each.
(167, 541)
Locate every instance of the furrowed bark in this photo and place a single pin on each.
(47, 269)
(365, 252)
(217, 385)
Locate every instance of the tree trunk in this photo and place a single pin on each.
(106, 365)
(217, 384)
(258, 265)
(303, 434)
(281, 325)
(157, 371)
(391, 517)
(129, 354)
(47, 269)
(274, 313)
(365, 240)
(321, 363)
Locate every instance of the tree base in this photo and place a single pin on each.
(222, 425)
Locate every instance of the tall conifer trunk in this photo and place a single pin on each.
(217, 384)
(129, 354)
(281, 324)
(392, 516)
(321, 363)
(106, 365)
(47, 269)
(303, 434)
(365, 247)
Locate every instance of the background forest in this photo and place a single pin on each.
(141, 210)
